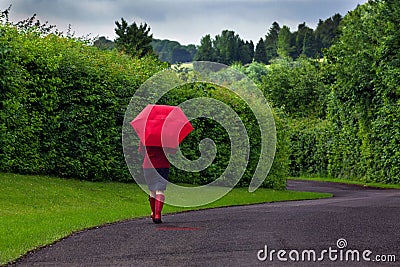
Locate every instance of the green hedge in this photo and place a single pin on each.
(298, 89)
(208, 128)
(364, 105)
(62, 105)
(309, 146)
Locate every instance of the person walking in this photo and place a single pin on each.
(156, 172)
(160, 128)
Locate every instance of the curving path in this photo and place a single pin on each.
(362, 219)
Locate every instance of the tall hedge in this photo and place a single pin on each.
(62, 105)
(309, 141)
(298, 89)
(208, 128)
(364, 105)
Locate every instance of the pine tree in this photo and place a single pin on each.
(304, 41)
(205, 51)
(271, 41)
(260, 54)
(285, 48)
(133, 39)
(246, 51)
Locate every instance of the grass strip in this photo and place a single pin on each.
(350, 182)
(39, 210)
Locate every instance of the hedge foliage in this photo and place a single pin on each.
(309, 145)
(62, 105)
(298, 90)
(343, 113)
(364, 105)
(209, 128)
(297, 87)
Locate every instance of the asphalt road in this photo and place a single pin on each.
(357, 223)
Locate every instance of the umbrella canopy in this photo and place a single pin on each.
(161, 125)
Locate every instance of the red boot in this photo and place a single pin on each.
(158, 208)
(152, 201)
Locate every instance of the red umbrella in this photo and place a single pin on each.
(161, 125)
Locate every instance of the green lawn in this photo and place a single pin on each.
(38, 210)
(344, 181)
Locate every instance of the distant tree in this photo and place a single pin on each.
(172, 51)
(255, 71)
(103, 43)
(304, 41)
(246, 52)
(271, 41)
(285, 41)
(308, 44)
(205, 52)
(164, 48)
(296, 87)
(226, 47)
(192, 50)
(326, 32)
(260, 54)
(133, 39)
(180, 55)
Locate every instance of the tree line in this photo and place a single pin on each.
(227, 47)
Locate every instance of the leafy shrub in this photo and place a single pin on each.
(208, 128)
(364, 102)
(309, 146)
(298, 90)
(62, 105)
(296, 87)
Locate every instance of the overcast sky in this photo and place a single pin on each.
(185, 21)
